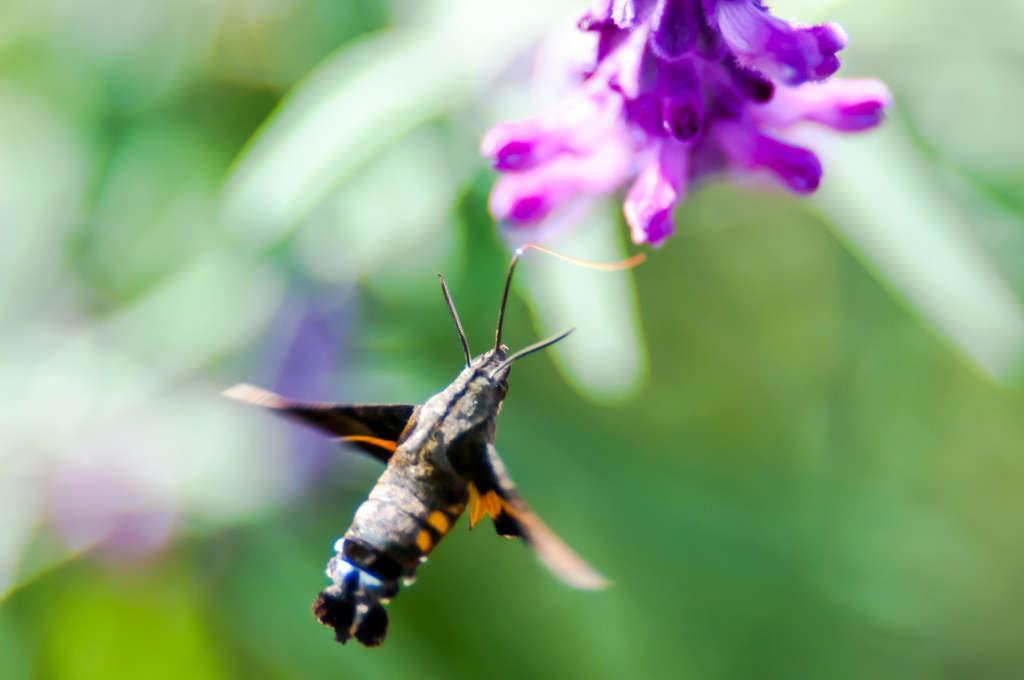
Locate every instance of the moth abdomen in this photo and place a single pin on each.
(405, 518)
(384, 534)
(392, 533)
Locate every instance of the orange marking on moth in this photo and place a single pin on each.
(424, 541)
(508, 509)
(488, 504)
(439, 521)
(476, 509)
(382, 443)
(494, 504)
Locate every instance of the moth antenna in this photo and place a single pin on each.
(504, 297)
(530, 350)
(455, 318)
(608, 267)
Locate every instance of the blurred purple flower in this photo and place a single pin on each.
(679, 90)
(115, 497)
(318, 324)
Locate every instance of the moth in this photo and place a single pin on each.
(440, 459)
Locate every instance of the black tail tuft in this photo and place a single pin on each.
(353, 605)
(335, 609)
(373, 627)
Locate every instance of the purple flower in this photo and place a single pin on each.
(679, 90)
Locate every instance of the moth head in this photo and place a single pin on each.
(485, 367)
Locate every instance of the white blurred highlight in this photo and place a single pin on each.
(393, 216)
(103, 432)
(42, 172)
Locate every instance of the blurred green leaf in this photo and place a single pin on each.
(361, 101)
(883, 202)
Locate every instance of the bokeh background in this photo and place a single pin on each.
(794, 438)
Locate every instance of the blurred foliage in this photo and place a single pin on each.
(807, 483)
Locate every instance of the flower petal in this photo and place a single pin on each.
(526, 198)
(694, 88)
(630, 13)
(623, 67)
(645, 113)
(845, 105)
(600, 10)
(677, 78)
(788, 52)
(749, 149)
(576, 125)
(682, 117)
(752, 84)
(709, 41)
(676, 28)
(661, 184)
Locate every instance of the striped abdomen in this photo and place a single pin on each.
(393, 531)
(401, 522)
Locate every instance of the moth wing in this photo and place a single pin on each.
(492, 492)
(372, 428)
